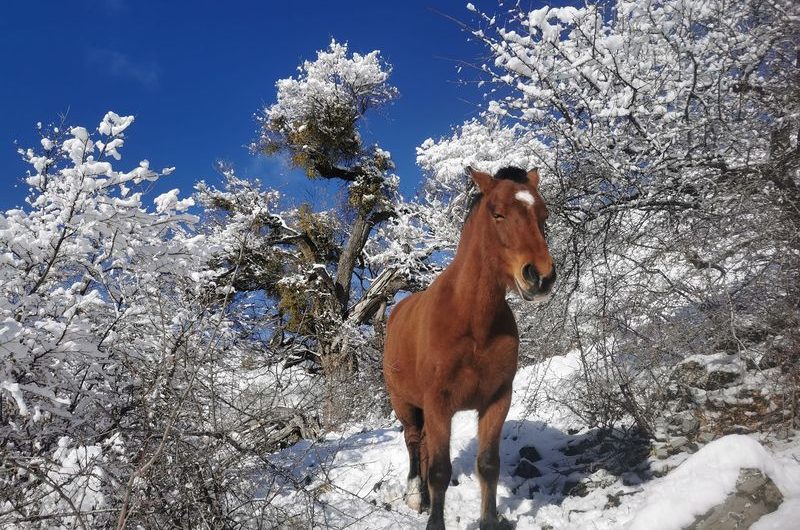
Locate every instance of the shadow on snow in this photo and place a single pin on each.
(570, 464)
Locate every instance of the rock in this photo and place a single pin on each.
(692, 373)
(705, 437)
(660, 429)
(678, 442)
(573, 488)
(578, 447)
(530, 453)
(736, 429)
(660, 452)
(754, 497)
(526, 469)
(689, 425)
(568, 487)
(614, 499)
(720, 379)
(683, 423)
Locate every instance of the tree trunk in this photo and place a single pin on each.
(383, 289)
(347, 261)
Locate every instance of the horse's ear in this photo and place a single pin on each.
(484, 181)
(533, 177)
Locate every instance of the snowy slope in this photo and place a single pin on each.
(356, 479)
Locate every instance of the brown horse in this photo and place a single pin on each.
(454, 346)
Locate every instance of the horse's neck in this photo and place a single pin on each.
(475, 279)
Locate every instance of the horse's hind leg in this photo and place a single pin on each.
(490, 424)
(412, 419)
(439, 468)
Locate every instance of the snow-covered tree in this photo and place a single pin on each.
(667, 135)
(121, 356)
(313, 268)
(316, 115)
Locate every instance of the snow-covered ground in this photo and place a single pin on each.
(357, 478)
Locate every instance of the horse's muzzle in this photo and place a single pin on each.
(533, 286)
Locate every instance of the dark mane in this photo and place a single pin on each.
(511, 173)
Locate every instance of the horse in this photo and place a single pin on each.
(454, 346)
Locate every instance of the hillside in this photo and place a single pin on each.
(583, 478)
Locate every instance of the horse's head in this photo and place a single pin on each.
(515, 215)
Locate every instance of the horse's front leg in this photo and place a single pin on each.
(437, 442)
(490, 424)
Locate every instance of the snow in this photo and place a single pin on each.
(334, 78)
(16, 393)
(113, 124)
(706, 478)
(84, 230)
(613, 42)
(364, 472)
(169, 201)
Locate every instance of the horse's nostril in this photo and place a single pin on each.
(530, 275)
(548, 281)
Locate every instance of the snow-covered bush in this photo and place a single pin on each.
(666, 133)
(123, 398)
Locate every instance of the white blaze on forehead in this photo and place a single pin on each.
(526, 197)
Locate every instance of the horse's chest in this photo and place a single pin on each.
(477, 380)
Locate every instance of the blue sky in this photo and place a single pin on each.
(195, 73)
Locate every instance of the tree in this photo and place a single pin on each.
(311, 268)
(125, 396)
(668, 137)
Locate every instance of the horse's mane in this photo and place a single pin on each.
(511, 173)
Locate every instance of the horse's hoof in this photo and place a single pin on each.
(435, 525)
(501, 523)
(414, 497)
